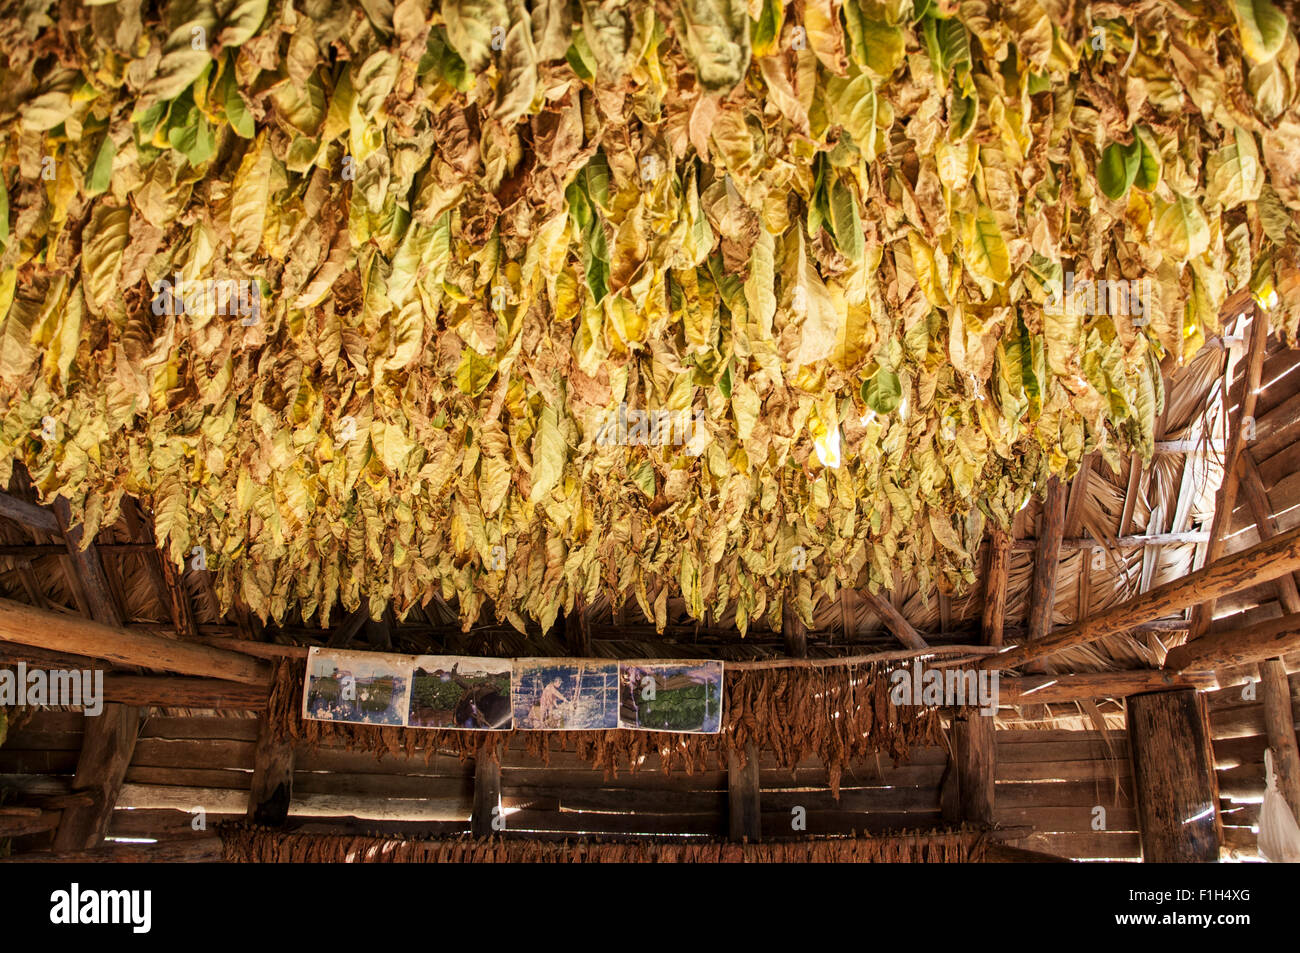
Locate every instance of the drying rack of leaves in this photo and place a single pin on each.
(247, 844)
(835, 713)
(473, 228)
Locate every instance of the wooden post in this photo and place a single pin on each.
(1279, 726)
(745, 815)
(975, 755)
(272, 786)
(1173, 774)
(487, 795)
(106, 750)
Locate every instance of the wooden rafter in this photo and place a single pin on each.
(1226, 500)
(894, 620)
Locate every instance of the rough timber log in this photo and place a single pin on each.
(1279, 726)
(1251, 643)
(1261, 563)
(1056, 689)
(27, 625)
(1176, 788)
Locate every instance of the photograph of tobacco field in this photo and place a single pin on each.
(929, 365)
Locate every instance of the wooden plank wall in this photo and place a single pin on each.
(1050, 780)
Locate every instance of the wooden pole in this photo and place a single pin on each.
(995, 587)
(487, 796)
(1173, 775)
(1056, 689)
(27, 625)
(745, 814)
(1047, 560)
(272, 784)
(1261, 563)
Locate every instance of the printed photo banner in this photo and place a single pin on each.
(467, 693)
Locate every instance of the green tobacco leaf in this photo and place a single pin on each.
(99, 176)
(193, 137)
(549, 455)
(845, 221)
(1149, 163)
(1118, 168)
(883, 392)
(1263, 28)
(985, 248)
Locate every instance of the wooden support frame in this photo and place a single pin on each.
(793, 632)
(1261, 563)
(106, 750)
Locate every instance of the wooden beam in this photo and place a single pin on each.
(27, 625)
(1176, 788)
(1047, 560)
(1057, 689)
(1226, 500)
(1261, 563)
(1241, 646)
(744, 812)
(995, 586)
(106, 749)
(487, 796)
(272, 784)
(894, 621)
(34, 517)
(178, 691)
